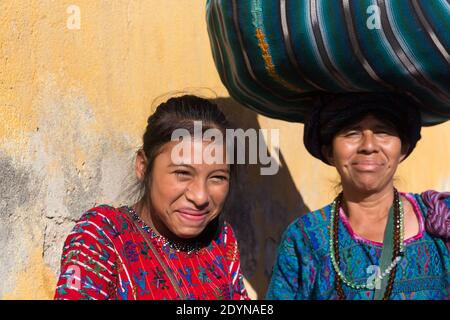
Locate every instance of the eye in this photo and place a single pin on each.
(219, 178)
(182, 173)
(384, 132)
(351, 133)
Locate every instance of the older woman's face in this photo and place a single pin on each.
(187, 196)
(367, 154)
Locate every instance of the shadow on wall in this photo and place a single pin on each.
(262, 206)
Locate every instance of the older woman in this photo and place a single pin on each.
(173, 243)
(372, 241)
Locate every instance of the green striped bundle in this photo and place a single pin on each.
(282, 57)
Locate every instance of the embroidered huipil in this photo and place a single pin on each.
(303, 269)
(104, 257)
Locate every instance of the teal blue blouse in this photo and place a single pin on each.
(303, 269)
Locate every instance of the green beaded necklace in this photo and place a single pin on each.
(399, 224)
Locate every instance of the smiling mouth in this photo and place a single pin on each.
(193, 215)
(367, 165)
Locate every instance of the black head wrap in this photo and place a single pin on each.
(346, 109)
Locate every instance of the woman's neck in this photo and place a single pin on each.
(363, 207)
(144, 212)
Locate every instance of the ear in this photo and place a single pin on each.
(140, 165)
(327, 153)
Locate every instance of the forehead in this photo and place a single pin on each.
(198, 154)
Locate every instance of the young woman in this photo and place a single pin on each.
(173, 243)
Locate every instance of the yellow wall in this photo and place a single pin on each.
(73, 106)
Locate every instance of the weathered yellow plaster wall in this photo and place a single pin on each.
(73, 106)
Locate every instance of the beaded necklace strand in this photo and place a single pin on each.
(175, 245)
(397, 254)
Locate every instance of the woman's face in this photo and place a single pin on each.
(187, 196)
(366, 155)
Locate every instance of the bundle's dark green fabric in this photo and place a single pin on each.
(283, 57)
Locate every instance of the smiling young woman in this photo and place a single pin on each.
(171, 244)
(372, 242)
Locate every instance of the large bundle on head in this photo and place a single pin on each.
(283, 58)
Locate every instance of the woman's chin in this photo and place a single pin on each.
(368, 188)
(367, 185)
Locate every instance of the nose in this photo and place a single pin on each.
(197, 193)
(368, 143)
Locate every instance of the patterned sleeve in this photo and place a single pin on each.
(87, 261)
(293, 268)
(234, 265)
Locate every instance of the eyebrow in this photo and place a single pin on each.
(181, 165)
(223, 170)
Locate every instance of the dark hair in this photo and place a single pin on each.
(345, 110)
(180, 113)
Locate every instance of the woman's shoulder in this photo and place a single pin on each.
(311, 221)
(430, 201)
(102, 220)
(103, 213)
(309, 229)
(316, 219)
(435, 199)
(227, 235)
(435, 206)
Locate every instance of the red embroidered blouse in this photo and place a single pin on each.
(105, 257)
